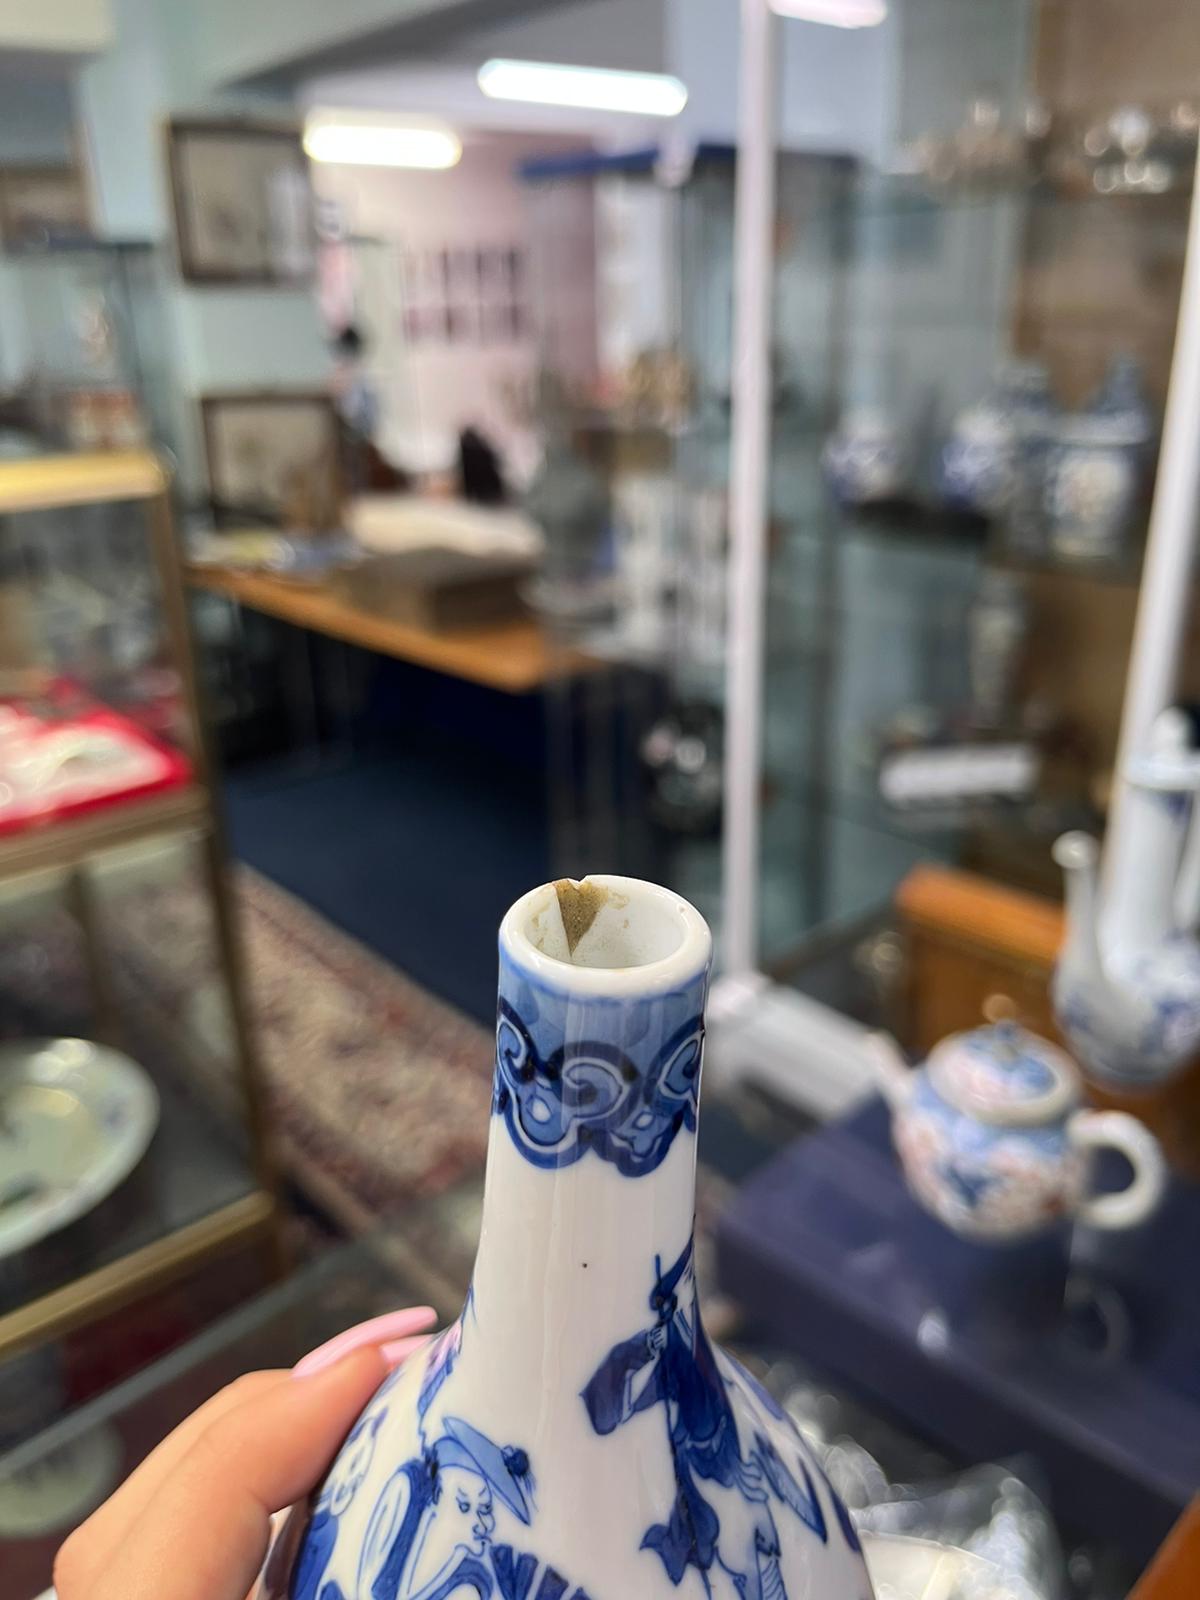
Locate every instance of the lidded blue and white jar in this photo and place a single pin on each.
(864, 458)
(1097, 469)
(993, 1145)
(575, 1435)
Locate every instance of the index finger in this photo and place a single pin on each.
(203, 1534)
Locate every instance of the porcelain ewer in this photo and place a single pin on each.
(1127, 986)
(575, 1435)
(994, 1146)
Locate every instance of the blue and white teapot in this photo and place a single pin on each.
(994, 1146)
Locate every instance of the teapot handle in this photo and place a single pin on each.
(1125, 1208)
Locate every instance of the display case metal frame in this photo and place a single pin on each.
(69, 847)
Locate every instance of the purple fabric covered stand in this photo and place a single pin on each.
(981, 1350)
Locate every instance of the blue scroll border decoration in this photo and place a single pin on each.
(591, 1095)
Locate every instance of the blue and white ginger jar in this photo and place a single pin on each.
(1097, 469)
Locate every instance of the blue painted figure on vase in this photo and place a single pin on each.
(337, 1492)
(431, 1533)
(672, 1365)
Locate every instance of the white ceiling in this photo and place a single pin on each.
(600, 33)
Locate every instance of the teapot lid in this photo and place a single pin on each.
(1004, 1073)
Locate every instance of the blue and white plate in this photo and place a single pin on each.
(75, 1119)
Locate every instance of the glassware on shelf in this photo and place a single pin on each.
(987, 149)
(997, 626)
(683, 760)
(1033, 411)
(1133, 150)
(569, 501)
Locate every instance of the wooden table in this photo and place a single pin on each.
(515, 656)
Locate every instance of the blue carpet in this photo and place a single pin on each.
(417, 852)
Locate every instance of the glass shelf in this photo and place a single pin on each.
(875, 194)
(933, 530)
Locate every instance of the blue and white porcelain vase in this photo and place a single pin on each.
(574, 1435)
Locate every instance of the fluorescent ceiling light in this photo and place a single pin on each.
(373, 139)
(836, 13)
(647, 94)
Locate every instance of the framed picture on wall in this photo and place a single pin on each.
(242, 202)
(272, 455)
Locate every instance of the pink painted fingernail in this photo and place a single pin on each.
(388, 1329)
(399, 1349)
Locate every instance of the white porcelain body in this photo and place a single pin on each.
(1127, 986)
(998, 1176)
(574, 1436)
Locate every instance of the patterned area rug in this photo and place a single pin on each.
(378, 1092)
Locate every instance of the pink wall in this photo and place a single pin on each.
(435, 376)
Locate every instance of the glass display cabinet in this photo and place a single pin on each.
(963, 549)
(84, 347)
(131, 1143)
(632, 257)
(968, 357)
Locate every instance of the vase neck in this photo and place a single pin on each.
(590, 1188)
(574, 1254)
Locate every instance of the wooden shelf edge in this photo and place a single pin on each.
(511, 655)
(153, 1266)
(63, 843)
(975, 911)
(44, 483)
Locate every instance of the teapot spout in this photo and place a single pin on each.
(1078, 854)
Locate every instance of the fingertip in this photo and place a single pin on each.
(359, 1367)
(400, 1349)
(393, 1325)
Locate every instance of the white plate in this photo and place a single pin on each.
(75, 1119)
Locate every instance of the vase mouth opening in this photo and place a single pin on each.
(603, 934)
